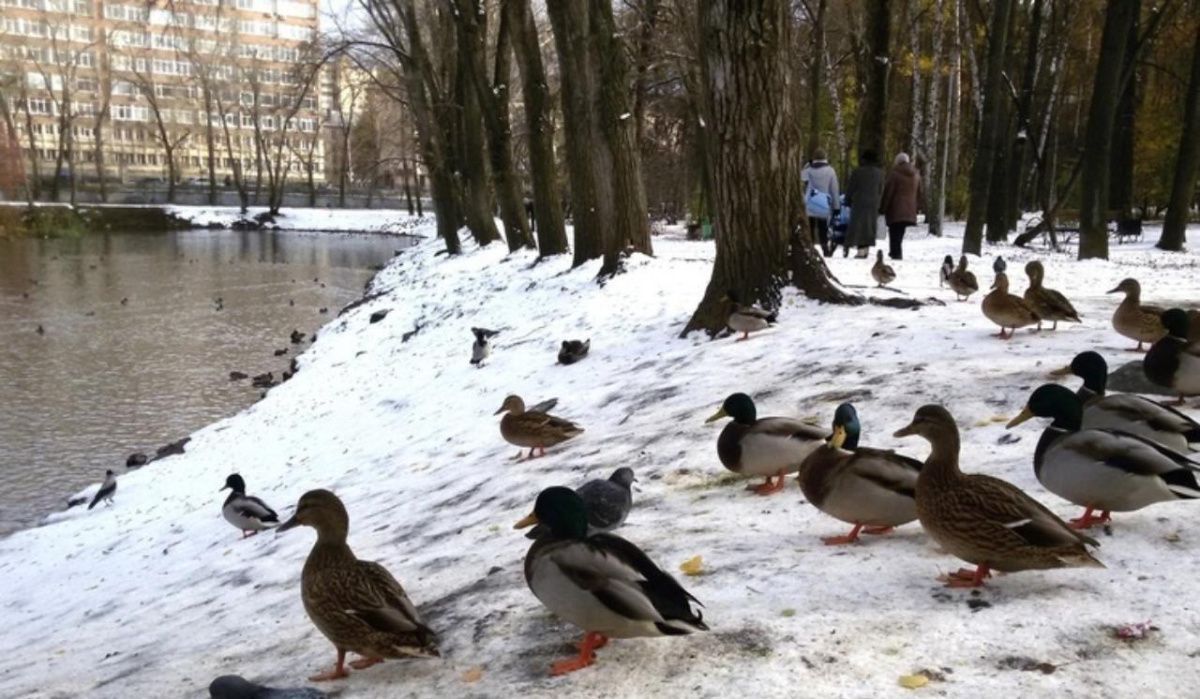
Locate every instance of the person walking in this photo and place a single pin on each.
(901, 199)
(820, 181)
(863, 194)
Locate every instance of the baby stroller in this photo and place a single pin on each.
(838, 226)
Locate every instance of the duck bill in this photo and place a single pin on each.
(838, 438)
(906, 431)
(224, 487)
(1064, 371)
(499, 411)
(1113, 291)
(290, 524)
(717, 416)
(1025, 414)
(528, 521)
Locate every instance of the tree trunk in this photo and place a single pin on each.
(1097, 152)
(953, 130)
(547, 202)
(872, 132)
(816, 72)
(647, 24)
(1120, 192)
(744, 45)
(1018, 157)
(1183, 186)
(990, 129)
(210, 145)
(476, 200)
(932, 140)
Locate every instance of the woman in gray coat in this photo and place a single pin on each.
(863, 194)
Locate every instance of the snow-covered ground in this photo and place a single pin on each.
(157, 595)
(304, 219)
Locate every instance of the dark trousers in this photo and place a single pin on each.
(896, 240)
(821, 227)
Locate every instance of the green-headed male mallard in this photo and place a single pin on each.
(1047, 303)
(1134, 320)
(769, 447)
(601, 583)
(357, 605)
(1007, 310)
(1100, 469)
(882, 273)
(871, 489)
(1125, 411)
(962, 281)
(984, 520)
(1172, 361)
(747, 319)
(533, 429)
(246, 512)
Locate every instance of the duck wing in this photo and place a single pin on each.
(545, 406)
(999, 506)
(367, 592)
(886, 469)
(788, 427)
(1138, 456)
(756, 312)
(1135, 409)
(1058, 303)
(254, 508)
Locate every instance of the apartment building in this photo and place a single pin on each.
(134, 85)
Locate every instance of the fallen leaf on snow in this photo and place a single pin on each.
(913, 681)
(692, 566)
(788, 612)
(472, 675)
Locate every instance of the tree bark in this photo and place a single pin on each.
(990, 129)
(1102, 114)
(1018, 156)
(744, 45)
(872, 132)
(933, 141)
(1187, 163)
(476, 197)
(547, 201)
(1120, 192)
(816, 71)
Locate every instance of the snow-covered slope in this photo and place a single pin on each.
(157, 595)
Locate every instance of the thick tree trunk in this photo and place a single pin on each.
(990, 129)
(744, 45)
(476, 198)
(1120, 191)
(1183, 187)
(547, 201)
(950, 169)
(872, 132)
(1018, 157)
(1097, 152)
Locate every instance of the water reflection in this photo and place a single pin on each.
(139, 334)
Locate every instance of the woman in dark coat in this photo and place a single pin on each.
(901, 197)
(863, 194)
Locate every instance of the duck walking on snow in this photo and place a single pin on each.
(747, 319)
(1047, 303)
(532, 429)
(1007, 310)
(357, 605)
(573, 350)
(107, 490)
(601, 583)
(1135, 320)
(769, 447)
(1173, 362)
(249, 514)
(984, 520)
(882, 273)
(481, 348)
(962, 281)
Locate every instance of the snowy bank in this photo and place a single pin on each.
(304, 219)
(157, 595)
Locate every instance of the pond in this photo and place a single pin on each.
(116, 343)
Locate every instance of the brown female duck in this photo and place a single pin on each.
(1135, 320)
(533, 429)
(1047, 303)
(1007, 310)
(883, 274)
(962, 281)
(984, 520)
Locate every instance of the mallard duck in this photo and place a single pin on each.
(107, 490)
(962, 281)
(573, 350)
(533, 429)
(1100, 469)
(601, 583)
(608, 501)
(481, 348)
(770, 447)
(871, 489)
(883, 274)
(249, 514)
(946, 270)
(1134, 320)
(747, 319)
(984, 520)
(1047, 303)
(1172, 361)
(1125, 411)
(357, 605)
(1007, 310)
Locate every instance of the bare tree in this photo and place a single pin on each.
(1187, 162)
(991, 130)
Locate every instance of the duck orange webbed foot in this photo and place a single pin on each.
(1089, 520)
(844, 539)
(587, 655)
(364, 663)
(773, 484)
(878, 531)
(965, 577)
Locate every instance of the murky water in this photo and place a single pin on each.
(138, 334)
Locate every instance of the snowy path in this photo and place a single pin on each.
(157, 595)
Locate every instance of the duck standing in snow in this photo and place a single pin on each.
(1007, 310)
(481, 348)
(107, 489)
(946, 270)
(608, 501)
(873, 490)
(962, 281)
(357, 605)
(1127, 412)
(769, 447)
(747, 319)
(601, 583)
(249, 514)
(1135, 320)
(532, 429)
(984, 520)
(1100, 469)
(882, 273)
(1173, 362)
(1047, 303)
(573, 350)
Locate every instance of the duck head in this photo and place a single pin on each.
(930, 422)
(561, 511)
(846, 427)
(1035, 271)
(962, 263)
(235, 483)
(1175, 320)
(1129, 286)
(512, 404)
(1090, 367)
(1053, 401)
(738, 406)
(323, 511)
(623, 477)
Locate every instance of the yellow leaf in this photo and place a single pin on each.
(913, 681)
(472, 675)
(692, 566)
(788, 612)
(999, 418)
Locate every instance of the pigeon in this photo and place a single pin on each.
(481, 348)
(608, 502)
(235, 687)
(573, 350)
(947, 270)
(107, 489)
(247, 513)
(999, 266)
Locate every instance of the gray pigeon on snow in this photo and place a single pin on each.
(999, 266)
(235, 687)
(608, 502)
(481, 348)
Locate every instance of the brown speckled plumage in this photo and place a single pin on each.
(1047, 303)
(1135, 320)
(532, 429)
